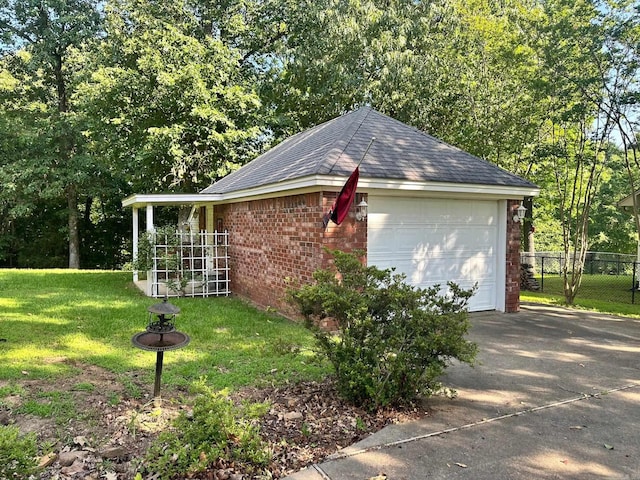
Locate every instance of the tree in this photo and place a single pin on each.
(576, 136)
(619, 75)
(42, 36)
(609, 228)
(459, 70)
(170, 107)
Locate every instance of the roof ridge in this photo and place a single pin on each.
(367, 110)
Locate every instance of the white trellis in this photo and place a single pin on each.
(190, 264)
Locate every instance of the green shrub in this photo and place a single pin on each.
(17, 453)
(216, 429)
(395, 340)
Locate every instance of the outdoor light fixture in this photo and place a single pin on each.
(519, 216)
(361, 211)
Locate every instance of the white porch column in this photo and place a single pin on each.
(150, 218)
(136, 234)
(150, 228)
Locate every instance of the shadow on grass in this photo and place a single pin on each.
(55, 321)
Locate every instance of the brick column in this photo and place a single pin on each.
(514, 231)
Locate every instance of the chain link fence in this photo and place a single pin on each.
(606, 276)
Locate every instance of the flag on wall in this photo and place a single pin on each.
(343, 202)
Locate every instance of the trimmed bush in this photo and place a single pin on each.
(395, 340)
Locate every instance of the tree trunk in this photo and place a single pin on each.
(74, 233)
(71, 191)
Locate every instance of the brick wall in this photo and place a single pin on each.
(512, 294)
(279, 240)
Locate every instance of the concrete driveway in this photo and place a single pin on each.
(555, 395)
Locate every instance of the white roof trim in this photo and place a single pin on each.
(141, 200)
(315, 182)
(628, 200)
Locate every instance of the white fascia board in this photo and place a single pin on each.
(319, 182)
(142, 200)
(402, 187)
(389, 186)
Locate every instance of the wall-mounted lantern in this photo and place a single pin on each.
(362, 211)
(519, 216)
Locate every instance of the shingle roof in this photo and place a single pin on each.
(334, 148)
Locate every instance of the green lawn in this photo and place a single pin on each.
(602, 293)
(57, 321)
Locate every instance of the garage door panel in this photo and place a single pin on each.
(433, 241)
(405, 212)
(422, 272)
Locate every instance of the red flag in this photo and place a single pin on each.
(342, 204)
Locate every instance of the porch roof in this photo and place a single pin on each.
(138, 200)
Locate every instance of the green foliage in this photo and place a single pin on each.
(58, 405)
(168, 103)
(17, 453)
(610, 228)
(49, 159)
(395, 339)
(215, 429)
(144, 261)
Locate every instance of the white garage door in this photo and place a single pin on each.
(433, 241)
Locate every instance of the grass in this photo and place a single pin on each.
(601, 293)
(57, 321)
(57, 405)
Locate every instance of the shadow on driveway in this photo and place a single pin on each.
(555, 395)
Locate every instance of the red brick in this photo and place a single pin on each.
(280, 239)
(512, 281)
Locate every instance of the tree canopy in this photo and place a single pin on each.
(102, 99)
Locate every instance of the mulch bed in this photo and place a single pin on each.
(309, 421)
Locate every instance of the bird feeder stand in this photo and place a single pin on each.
(160, 335)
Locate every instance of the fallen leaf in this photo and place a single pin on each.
(47, 460)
